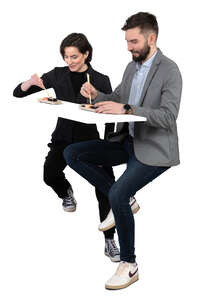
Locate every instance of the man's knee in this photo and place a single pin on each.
(70, 155)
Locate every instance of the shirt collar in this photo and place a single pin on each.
(147, 63)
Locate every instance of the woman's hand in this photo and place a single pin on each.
(110, 107)
(88, 89)
(34, 80)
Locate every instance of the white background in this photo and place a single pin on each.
(49, 254)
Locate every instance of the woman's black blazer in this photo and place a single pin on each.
(68, 131)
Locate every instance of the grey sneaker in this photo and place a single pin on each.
(111, 250)
(69, 203)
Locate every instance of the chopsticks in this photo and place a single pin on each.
(88, 79)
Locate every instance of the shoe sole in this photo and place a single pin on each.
(112, 259)
(112, 225)
(122, 286)
(69, 210)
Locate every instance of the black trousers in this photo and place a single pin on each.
(55, 178)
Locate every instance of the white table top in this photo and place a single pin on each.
(72, 111)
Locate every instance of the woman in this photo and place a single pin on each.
(66, 82)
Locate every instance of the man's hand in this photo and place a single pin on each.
(110, 107)
(88, 89)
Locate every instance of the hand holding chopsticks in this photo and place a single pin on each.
(88, 90)
(41, 84)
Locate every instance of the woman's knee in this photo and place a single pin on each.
(48, 174)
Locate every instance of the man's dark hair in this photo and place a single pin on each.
(145, 21)
(79, 41)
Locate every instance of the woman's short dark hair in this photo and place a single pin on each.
(145, 21)
(79, 41)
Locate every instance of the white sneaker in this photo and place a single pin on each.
(126, 274)
(109, 221)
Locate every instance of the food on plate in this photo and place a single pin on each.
(89, 107)
(50, 100)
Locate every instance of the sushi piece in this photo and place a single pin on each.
(49, 100)
(52, 99)
(88, 107)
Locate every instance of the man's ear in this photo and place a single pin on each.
(152, 39)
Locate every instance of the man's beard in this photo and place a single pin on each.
(142, 54)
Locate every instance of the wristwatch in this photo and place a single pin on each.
(127, 108)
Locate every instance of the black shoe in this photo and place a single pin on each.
(69, 203)
(111, 250)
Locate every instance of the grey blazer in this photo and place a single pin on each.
(156, 140)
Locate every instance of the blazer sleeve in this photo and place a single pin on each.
(166, 115)
(48, 80)
(114, 96)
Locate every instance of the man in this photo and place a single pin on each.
(151, 87)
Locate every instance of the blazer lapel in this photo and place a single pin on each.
(129, 82)
(150, 76)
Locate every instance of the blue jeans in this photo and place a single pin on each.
(86, 159)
